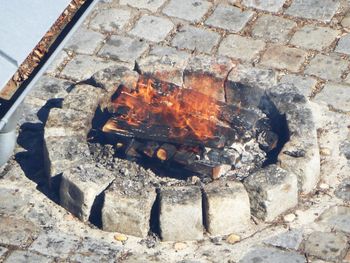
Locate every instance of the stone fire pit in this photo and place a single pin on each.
(122, 196)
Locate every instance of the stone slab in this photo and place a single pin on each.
(326, 246)
(304, 84)
(3, 250)
(191, 10)
(198, 39)
(227, 208)
(271, 5)
(346, 20)
(290, 239)
(343, 45)
(80, 186)
(110, 20)
(336, 217)
(123, 48)
(266, 189)
(335, 95)
(57, 64)
(272, 28)
(282, 57)
(326, 67)
(85, 41)
(152, 28)
(19, 256)
(144, 4)
(314, 37)
(242, 48)
(127, 207)
(229, 18)
(271, 255)
(180, 213)
(314, 9)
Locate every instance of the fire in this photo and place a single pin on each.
(184, 111)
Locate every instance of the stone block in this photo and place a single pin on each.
(198, 39)
(326, 246)
(85, 41)
(242, 48)
(290, 239)
(55, 244)
(314, 37)
(337, 218)
(191, 10)
(272, 255)
(127, 207)
(346, 20)
(16, 231)
(335, 95)
(56, 124)
(152, 28)
(166, 64)
(282, 57)
(314, 9)
(343, 45)
(123, 48)
(3, 251)
(229, 18)
(110, 20)
(343, 190)
(18, 256)
(62, 152)
(80, 186)
(327, 67)
(81, 67)
(273, 28)
(270, 5)
(57, 63)
(304, 84)
(227, 208)
(207, 75)
(267, 187)
(181, 213)
(144, 4)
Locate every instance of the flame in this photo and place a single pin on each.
(184, 111)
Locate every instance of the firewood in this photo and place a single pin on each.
(207, 168)
(166, 152)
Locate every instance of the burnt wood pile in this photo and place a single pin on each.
(162, 122)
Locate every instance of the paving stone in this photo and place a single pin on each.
(207, 75)
(271, 255)
(304, 84)
(267, 187)
(61, 57)
(82, 67)
(347, 80)
(314, 9)
(123, 48)
(345, 149)
(227, 208)
(282, 57)
(19, 256)
(50, 88)
(152, 28)
(242, 48)
(230, 18)
(273, 28)
(335, 95)
(337, 217)
(271, 5)
(18, 232)
(12, 202)
(165, 63)
(343, 190)
(314, 37)
(3, 251)
(290, 239)
(198, 39)
(346, 20)
(80, 186)
(327, 67)
(127, 207)
(180, 213)
(326, 246)
(144, 4)
(191, 10)
(110, 20)
(85, 41)
(55, 244)
(343, 45)
(94, 250)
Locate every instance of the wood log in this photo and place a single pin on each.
(207, 168)
(149, 148)
(166, 152)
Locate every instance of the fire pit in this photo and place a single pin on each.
(180, 153)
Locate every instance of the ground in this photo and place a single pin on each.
(306, 43)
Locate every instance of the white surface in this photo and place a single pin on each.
(6, 71)
(22, 25)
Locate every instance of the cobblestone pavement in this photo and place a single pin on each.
(306, 42)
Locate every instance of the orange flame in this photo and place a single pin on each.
(184, 111)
